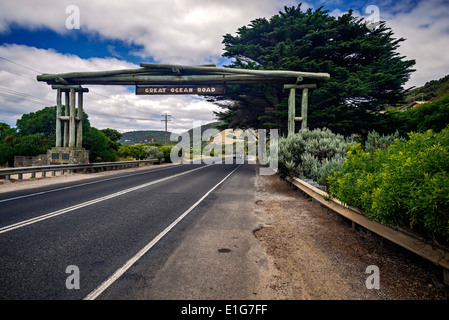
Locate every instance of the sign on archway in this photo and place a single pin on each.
(181, 89)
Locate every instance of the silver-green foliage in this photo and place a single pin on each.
(376, 141)
(152, 152)
(312, 154)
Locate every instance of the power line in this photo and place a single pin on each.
(39, 72)
(34, 70)
(183, 128)
(11, 94)
(16, 95)
(20, 75)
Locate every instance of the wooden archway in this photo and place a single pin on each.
(151, 78)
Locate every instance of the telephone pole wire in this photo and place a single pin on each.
(166, 121)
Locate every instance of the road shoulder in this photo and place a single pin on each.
(320, 256)
(219, 257)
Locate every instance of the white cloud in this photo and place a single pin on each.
(107, 106)
(426, 30)
(424, 25)
(170, 31)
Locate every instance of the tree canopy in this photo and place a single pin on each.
(367, 73)
(35, 133)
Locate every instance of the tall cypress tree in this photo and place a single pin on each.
(367, 73)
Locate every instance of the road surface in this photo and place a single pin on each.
(177, 232)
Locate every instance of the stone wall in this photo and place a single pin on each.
(28, 161)
(67, 155)
(56, 155)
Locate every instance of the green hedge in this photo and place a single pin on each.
(405, 184)
(144, 151)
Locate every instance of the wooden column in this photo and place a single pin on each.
(58, 120)
(66, 123)
(291, 112)
(304, 106)
(72, 121)
(79, 131)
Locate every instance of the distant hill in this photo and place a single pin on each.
(148, 136)
(212, 125)
(144, 136)
(431, 91)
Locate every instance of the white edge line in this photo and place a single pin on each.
(100, 289)
(88, 203)
(82, 184)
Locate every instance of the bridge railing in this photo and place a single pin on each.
(6, 173)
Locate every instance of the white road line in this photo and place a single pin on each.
(100, 289)
(88, 203)
(82, 184)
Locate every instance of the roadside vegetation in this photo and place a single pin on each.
(401, 182)
(35, 133)
(405, 184)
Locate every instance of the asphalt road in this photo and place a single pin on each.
(167, 233)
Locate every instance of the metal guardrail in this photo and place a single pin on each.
(87, 167)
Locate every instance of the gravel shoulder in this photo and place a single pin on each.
(317, 255)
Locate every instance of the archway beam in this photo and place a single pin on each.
(152, 74)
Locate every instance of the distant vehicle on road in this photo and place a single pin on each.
(238, 155)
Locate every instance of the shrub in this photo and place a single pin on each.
(312, 154)
(166, 151)
(130, 152)
(406, 184)
(433, 115)
(375, 141)
(153, 152)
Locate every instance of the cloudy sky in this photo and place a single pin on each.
(45, 36)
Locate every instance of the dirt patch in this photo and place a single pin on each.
(318, 255)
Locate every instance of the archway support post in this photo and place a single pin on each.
(69, 127)
(292, 105)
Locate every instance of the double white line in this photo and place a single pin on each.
(88, 203)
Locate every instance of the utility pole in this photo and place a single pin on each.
(166, 120)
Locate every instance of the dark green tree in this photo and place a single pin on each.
(36, 133)
(366, 71)
(40, 122)
(4, 127)
(112, 134)
(7, 138)
(432, 115)
(98, 145)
